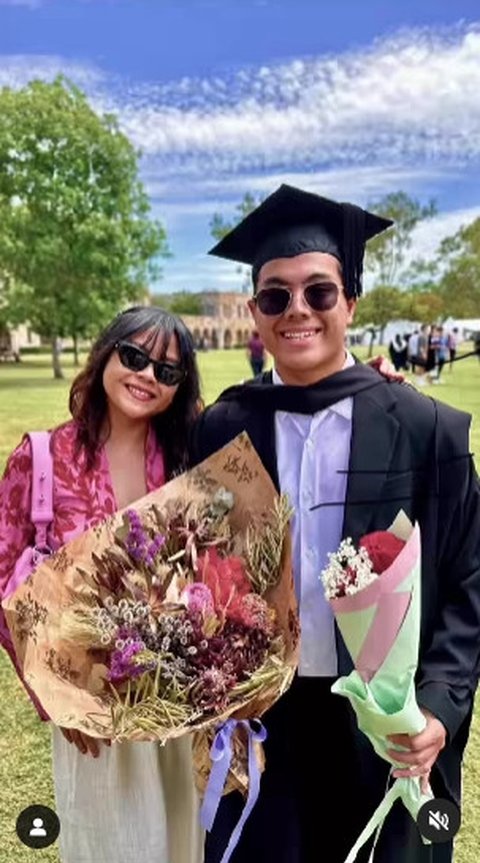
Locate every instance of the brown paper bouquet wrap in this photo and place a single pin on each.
(50, 615)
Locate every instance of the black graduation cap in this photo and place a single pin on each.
(291, 222)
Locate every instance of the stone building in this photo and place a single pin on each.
(13, 340)
(225, 323)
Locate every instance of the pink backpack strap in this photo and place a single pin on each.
(42, 486)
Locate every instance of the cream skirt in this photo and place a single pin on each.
(135, 803)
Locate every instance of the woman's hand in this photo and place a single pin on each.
(84, 743)
(385, 368)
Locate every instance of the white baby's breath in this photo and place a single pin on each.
(349, 570)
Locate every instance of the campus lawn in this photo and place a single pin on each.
(30, 399)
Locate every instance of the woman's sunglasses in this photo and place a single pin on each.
(275, 301)
(136, 359)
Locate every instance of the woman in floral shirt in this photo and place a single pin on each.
(132, 408)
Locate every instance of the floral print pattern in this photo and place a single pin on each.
(81, 498)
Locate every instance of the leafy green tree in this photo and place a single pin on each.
(377, 308)
(219, 226)
(75, 233)
(386, 253)
(460, 282)
(425, 306)
(422, 276)
(180, 303)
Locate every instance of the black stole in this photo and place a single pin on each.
(267, 397)
(260, 398)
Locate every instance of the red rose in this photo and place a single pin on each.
(383, 548)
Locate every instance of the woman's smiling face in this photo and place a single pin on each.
(138, 395)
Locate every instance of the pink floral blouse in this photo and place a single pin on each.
(80, 498)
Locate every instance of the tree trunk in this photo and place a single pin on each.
(372, 340)
(76, 361)
(57, 368)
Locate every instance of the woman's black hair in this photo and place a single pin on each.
(88, 401)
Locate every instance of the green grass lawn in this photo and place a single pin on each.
(29, 400)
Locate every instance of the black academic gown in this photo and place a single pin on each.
(409, 452)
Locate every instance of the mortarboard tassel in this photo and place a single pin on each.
(353, 249)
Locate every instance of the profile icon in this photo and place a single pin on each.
(38, 829)
(38, 826)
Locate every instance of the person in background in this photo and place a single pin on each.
(132, 408)
(412, 349)
(440, 344)
(420, 360)
(256, 353)
(476, 343)
(431, 355)
(350, 450)
(453, 343)
(398, 352)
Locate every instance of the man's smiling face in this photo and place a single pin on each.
(307, 345)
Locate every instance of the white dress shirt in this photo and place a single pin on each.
(313, 453)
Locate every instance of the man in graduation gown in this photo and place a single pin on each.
(351, 449)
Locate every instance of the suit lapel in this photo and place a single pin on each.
(265, 436)
(374, 435)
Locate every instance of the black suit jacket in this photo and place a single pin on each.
(410, 452)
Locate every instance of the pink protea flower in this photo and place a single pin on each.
(226, 578)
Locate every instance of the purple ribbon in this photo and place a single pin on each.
(221, 755)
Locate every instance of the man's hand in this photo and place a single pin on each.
(419, 751)
(83, 742)
(385, 368)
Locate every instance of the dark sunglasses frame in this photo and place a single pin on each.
(320, 297)
(136, 359)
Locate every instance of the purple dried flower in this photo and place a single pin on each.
(138, 544)
(123, 665)
(156, 545)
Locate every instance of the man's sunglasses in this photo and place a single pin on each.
(136, 359)
(275, 301)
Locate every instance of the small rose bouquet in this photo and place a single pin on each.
(374, 591)
(175, 616)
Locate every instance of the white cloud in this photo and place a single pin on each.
(201, 273)
(410, 97)
(429, 234)
(407, 99)
(402, 114)
(203, 196)
(31, 4)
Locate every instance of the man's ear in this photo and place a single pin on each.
(351, 306)
(252, 307)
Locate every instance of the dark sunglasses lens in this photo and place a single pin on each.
(321, 298)
(133, 358)
(170, 376)
(272, 301)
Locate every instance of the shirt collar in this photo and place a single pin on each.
(349, 361)
(342, 408)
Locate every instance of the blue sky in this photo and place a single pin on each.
(352, 99)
